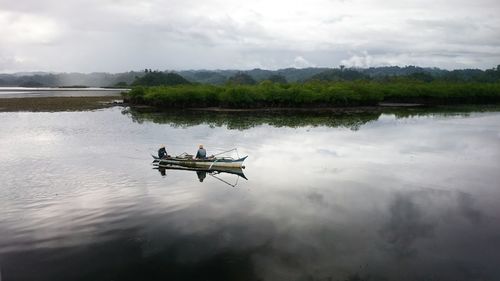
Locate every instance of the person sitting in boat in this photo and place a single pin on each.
(202, 153)
(162, 152)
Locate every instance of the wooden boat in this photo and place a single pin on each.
(187, 160)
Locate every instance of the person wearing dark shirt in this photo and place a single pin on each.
(202, 153)
(162, 152)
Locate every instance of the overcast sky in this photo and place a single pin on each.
(123, 35)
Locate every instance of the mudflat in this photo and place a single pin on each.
(57, 103)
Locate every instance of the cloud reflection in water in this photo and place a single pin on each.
(391, 199)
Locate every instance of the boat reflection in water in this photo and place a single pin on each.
(203, 172)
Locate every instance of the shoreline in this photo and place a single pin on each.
(49, 104)
(316, 110)
(346, 109)
(355, 109)
(85, 103)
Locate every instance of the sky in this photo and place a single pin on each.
(124, 35)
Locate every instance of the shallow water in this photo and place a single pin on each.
(391, 196)
(21, 92)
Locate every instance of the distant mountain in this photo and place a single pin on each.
(299, 74)
(31, 73)
(340, 75)
(204, 77)
(32, 84)
(69, 79)
(158, 78)
(242, 78)
(259, 74)
(219, 77)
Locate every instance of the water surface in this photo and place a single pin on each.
(23, 92)
(378, 196)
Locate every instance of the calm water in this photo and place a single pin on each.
(360, 197)
(21, 92)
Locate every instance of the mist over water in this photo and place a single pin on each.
(381, 196)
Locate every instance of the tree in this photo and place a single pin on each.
(158, 78)
(421, 76)
(339, 75)
(276, 78)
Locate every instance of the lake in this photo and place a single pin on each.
(23, 92)
(393, 195)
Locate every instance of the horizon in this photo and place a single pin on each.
(116, 36)
(241, 70)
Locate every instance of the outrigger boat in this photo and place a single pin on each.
(186, 160)
(212, 166)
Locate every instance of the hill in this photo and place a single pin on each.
(158, 78)
(219, 77)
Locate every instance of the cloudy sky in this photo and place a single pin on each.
(122, 35)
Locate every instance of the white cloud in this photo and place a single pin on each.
(300, 62)
(364, 60)
(27, 28)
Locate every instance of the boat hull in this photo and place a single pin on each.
(198, 163)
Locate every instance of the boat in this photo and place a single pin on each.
(187, 160)
(212, 166)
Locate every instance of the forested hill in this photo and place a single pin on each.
(220, 77)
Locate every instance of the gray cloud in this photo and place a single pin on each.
(119, 35)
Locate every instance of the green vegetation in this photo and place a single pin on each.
(276, 78)
(158, 78)
(340, 75)
(315, 94)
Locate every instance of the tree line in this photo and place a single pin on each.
(314, 93)
(250, 77)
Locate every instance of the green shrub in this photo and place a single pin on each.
(314, 94)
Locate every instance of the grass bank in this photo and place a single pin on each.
(51, 104)
(313, 94)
